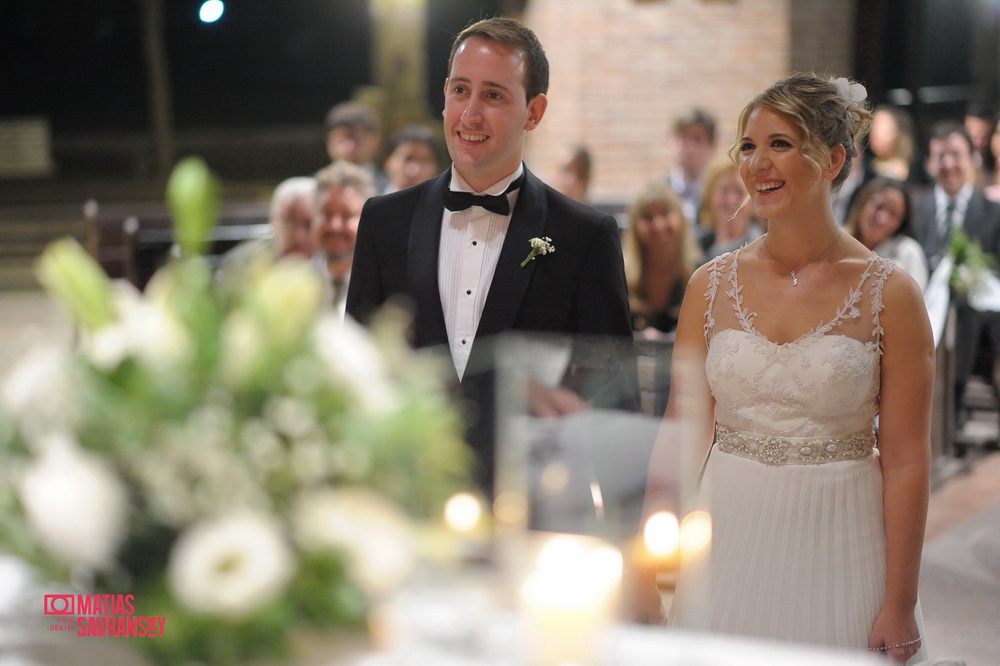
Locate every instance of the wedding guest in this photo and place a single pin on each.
(693, 146)
(980, 121)
(992, 185)
(955, 203)
(892, 144)
(726, 221)
(487, 247)
(353, 135)
(786, 351)
(573, 173)
(341, 191)
(413, 158)
(290, 216)
(860, 176)
(881, 218)
(661, 253)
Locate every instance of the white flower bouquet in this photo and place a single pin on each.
(228, 453)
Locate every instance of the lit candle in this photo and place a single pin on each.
(569, 598)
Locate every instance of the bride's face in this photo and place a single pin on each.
(779, 178)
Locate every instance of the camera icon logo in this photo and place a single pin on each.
(60, 604)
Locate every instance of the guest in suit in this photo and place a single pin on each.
(461, 261)
(954, 203)
(694, 146)
(413, 158)
(353, 134)
(341, 191)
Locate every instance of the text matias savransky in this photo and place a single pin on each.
(101, 615)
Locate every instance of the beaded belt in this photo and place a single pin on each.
(783, 451)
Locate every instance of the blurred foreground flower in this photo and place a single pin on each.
(226, 451)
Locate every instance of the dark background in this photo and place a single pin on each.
(265, 62)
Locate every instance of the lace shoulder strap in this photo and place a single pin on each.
(715, 268)
(883, 269)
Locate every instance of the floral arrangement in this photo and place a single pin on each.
(972, 266)
(227, 452)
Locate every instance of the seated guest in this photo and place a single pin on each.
(353, 135)
(290, 216)
(341, 192)
(892, 145)
(693, 144)
(726, 221)
(573, 173)
(414, 157)
(661, 253)
(955, 203)
(992, 184)
(881, 219)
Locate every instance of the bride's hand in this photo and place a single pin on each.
(641, 597)
(895, 634)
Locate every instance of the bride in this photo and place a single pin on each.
(796, 343)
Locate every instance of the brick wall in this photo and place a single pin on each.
(623, 69)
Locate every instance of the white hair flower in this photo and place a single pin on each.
(852, 94)
(230, 566)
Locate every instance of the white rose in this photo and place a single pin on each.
(374, 534)
(39, 391)
(75, 503)
(230, 566)
(349, 353)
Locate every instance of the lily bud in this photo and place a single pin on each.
(74, 279)
(193, 199)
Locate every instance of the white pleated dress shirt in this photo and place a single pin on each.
(471, 241)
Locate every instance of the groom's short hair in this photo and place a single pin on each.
(514, 36)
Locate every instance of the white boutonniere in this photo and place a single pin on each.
(539, 246)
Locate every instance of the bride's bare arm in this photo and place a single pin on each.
(904, 449)
(687, 422)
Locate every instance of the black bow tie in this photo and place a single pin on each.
(495, 203)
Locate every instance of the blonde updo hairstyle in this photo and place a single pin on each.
(814, 105)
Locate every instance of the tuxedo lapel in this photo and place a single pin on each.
(422, 263)
(510, 281)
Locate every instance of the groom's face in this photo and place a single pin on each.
(486, 113)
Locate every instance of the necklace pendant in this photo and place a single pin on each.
(795, 280)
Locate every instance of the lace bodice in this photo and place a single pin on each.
(825, 383)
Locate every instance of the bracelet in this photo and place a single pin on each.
(893, 647)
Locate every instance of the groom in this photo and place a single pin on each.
(454, 245)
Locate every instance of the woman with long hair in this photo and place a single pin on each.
(660, 255)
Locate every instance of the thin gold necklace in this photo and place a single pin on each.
(795, 279)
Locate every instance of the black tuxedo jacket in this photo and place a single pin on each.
(982, 224)
(578, 290)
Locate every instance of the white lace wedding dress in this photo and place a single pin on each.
(793, 482)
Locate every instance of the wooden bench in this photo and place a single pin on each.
(132, 240)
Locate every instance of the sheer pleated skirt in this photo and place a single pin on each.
(797, 553)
